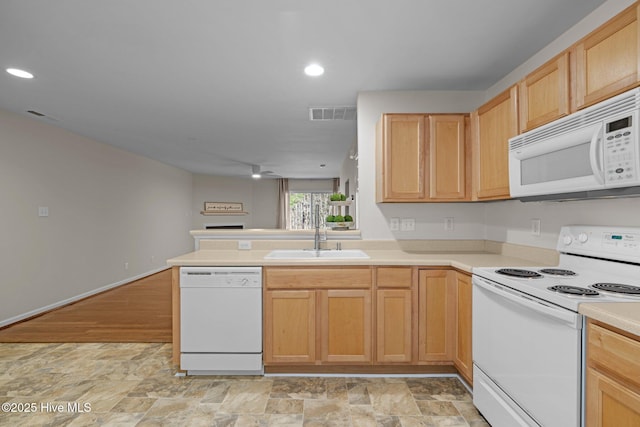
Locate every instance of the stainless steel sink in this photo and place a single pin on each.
(312, 254)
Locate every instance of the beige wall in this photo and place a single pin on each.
(258, 197)
(506, 221)
(106, 207)
(373, 219)
(511, 221)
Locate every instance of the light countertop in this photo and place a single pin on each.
(458, 260)
(621, 315)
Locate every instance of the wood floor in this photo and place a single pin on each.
(137, 312)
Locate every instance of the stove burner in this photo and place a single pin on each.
(557, 272)
(617, 288)
(515, 272)
(573, 290)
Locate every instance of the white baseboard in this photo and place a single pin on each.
(67, 301)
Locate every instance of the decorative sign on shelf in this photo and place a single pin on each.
(228, 208)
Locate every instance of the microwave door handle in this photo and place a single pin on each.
(595, 155)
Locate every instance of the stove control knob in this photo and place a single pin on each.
(567, 240)
(583, 237)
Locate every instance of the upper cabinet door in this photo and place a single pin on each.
(492, 126)
(447, 157)
(607, 59)
(544, 94)
(401, 158)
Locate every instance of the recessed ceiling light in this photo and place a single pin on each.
(314, 70)
(20, 73)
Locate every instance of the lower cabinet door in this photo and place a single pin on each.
(463, 358)
(609, 403)
(346, 325)
(436, 310)
(393, 325)
(289, 327)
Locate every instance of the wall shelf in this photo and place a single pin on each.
(209, 213)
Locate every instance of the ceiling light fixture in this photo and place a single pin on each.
(314, 70)
(19, 73)
(255, 172)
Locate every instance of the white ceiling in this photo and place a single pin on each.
(213, 86)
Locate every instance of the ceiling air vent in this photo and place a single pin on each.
(332, 113)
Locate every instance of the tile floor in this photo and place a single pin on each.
(134, 385)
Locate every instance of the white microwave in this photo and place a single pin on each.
(591, 153)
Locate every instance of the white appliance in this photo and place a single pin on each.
(528, 340)
(221, 320)
(591, 153)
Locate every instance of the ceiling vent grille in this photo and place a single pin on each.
(332, 113)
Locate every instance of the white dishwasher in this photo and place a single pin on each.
(221, 320)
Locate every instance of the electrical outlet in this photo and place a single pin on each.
(244, 245)
(394, 224)
(126, 265)
(153, 258)
(43, 211)
(448, 224)
(535, 227)
(407, 224)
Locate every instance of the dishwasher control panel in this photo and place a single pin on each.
(224, 277)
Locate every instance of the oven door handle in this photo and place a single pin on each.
(532, 303)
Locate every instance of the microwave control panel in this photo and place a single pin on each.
(620, 146)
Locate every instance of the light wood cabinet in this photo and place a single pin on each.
(317, 277)
(492, 126)
(394, 304)
(613, 377)
(422, 158)
(345, 317)
(544, 95)
(448, 158)
(436, 309)
(387, 315)
(290, 326)
(463, 359)
(317, 315)
(607, 59)
(401, 152)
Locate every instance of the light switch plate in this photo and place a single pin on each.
(43, 211)
(394, 224)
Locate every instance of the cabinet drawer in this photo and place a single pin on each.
(394, 277)
(615, 353)
(317, 277)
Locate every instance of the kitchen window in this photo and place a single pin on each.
(302, 209)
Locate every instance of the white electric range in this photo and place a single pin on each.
(528, 338)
